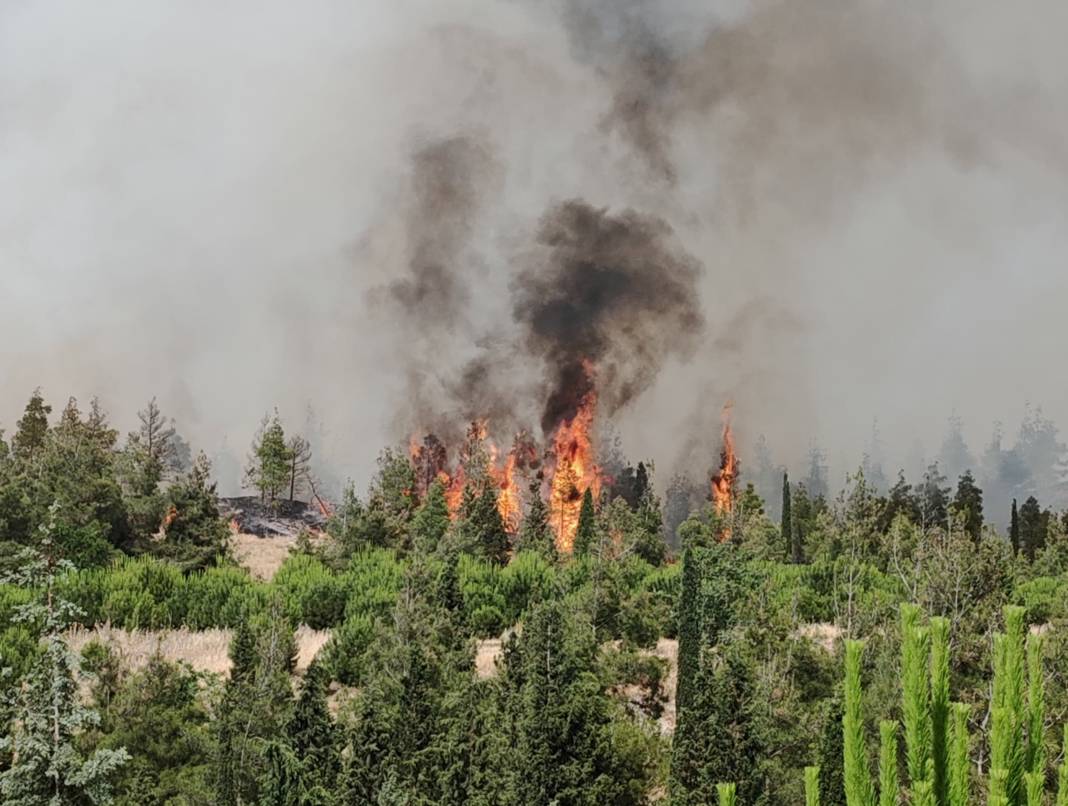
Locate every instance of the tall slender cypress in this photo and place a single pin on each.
(888, 775)
(916, 704)
(860, 790)
(1014, 529)
(785, 525)
(939, 628)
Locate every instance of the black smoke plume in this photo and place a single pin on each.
(611, 292)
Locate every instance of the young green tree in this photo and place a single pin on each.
(151, 450)
(860, 791)
(268, 467)
(480, 524)
(196, 533)
(888, 775)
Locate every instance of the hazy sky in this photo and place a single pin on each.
(203, 201)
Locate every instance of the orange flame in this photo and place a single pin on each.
(507, 495)
(574, 473)
(723, 480)
(168, 519)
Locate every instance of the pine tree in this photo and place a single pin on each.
(312, 734)
(586, 530)
(831, 755)
(968, 504)
(481, 524)
(431, 520)
(196, 533)
(934, 498)
(151, 449)
(648, 542)
(32, 429)
(535, 534)
(1033, 523)
(299, 455)
(268, 468)
(786, 531)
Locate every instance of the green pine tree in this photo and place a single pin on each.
(431, 520)
(968, 504)
(32, 429)
(535, 533)
(786, 530)
(586, 530)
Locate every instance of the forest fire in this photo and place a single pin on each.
(723, 480)
(573, 473)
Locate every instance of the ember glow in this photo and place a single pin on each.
(723, 480)
(573, 473)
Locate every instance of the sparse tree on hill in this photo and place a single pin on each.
(268, 468)
(299, 454)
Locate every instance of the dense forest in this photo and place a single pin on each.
(501, 630)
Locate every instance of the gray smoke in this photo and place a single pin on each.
(336, 203)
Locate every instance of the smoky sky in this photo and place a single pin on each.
(346, 204)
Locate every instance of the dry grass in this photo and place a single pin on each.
(204, 650)
(824, 634)
(262, 556)
(486, 655)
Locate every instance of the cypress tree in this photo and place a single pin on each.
(312, 733)
(859, 788)
(888, 777)
(586, 531)
(812, 786)
(785, 525)
(1014, 529)
(968, 503)
(832, 780)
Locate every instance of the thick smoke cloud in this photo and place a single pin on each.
(613, 297)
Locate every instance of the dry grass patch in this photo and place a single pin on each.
(204, 650)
